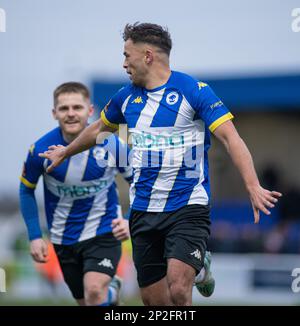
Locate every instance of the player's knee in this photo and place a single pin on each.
(155, 301)
(179, 294)
(94, 294)
(146, 300)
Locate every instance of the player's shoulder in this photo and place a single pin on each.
(186, 83)
(190, 86)
(183, 80)
(124, 92)
(52, 137)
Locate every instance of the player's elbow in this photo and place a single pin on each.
(232, 142)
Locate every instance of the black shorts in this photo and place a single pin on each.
(99, 254)
(181, 234)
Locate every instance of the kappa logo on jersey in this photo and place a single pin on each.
(106, 263)
(201, 85)
(31, 149)
(137, 100)
(196, 254)
(172, 98)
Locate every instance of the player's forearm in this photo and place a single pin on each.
(29, 212)
(242, 159)
(84, 141)
(94, 133)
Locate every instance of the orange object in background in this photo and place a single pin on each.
(126, 259)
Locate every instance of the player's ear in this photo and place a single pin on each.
(54, 113)
(91, 110)
(148, 56)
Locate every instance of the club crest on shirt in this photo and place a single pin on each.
(99, 153)
(172, 98)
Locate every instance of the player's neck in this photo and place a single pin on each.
(157, 78)
(68, 138)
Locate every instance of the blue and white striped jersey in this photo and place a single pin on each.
(169, 129)
(80, 195)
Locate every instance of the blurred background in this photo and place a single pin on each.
(248, 51)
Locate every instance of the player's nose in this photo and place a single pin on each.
(71, 112)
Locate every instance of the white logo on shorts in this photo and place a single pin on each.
(197, 254)
(106, 263)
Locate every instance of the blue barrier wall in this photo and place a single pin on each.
(270, 93)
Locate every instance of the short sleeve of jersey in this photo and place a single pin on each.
(112, 114)
(32, 169)
(209, 107)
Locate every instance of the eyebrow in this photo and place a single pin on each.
(65, 106)
(62, 107)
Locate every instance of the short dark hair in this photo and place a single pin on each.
(149, 33)
(70, 87)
